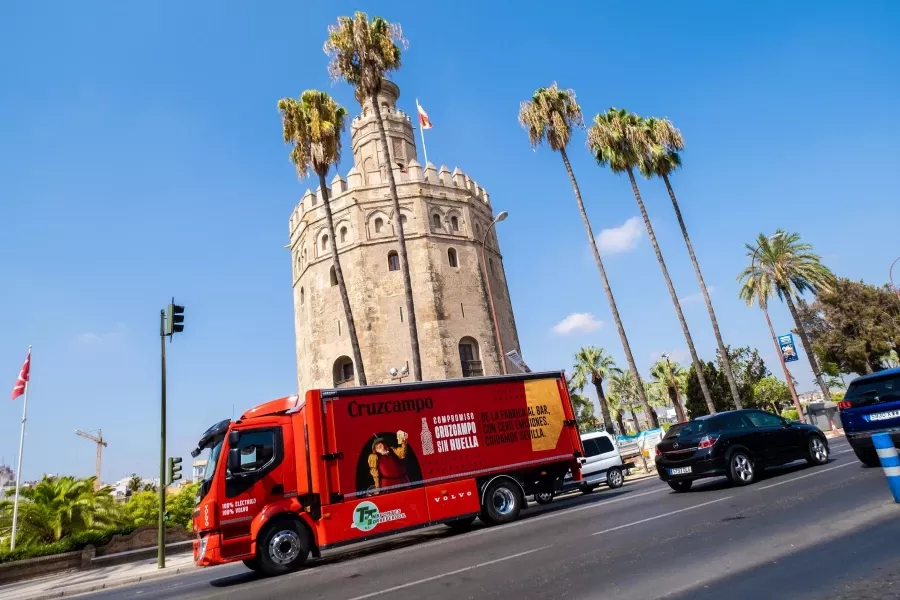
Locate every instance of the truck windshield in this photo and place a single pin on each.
(215, 448)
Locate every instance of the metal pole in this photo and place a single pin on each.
(161, 542)
(15, 518)
(787, 374)
(487, 278)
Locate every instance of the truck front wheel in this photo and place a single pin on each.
(282, 547)
(502, 502)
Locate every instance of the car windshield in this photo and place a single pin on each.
(880, 386)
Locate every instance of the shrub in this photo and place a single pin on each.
(790, 414)
(72, 543)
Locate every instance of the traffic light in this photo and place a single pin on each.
(174, 319)
(166, 516)
(174, 469)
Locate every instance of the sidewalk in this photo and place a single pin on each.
(72, 583)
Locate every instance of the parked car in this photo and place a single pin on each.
(736, 444)
(871, 405)
(601, 465)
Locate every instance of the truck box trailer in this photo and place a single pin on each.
(298, 475)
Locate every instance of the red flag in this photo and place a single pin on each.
(424, 121)
(22, 381)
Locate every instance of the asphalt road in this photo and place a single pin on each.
(800, 532)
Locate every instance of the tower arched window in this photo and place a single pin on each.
(343, 375)
(470, 358)
(325, 242)
(302, 297)
(379, 223)
(393, 261)
(333, 276)
(436, 221)
(452, 258)
(477, 231)
(491, 265)
(343, 234)
(403, 220)
(454, 223)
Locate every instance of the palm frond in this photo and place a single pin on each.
(550, 116)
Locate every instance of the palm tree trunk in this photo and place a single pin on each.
(342, 288)
(729, 374)
(673, 398)
(808, 346)
(637, 424)
(698, 366)
(404, 264)
(609, 295)
(604, 407)
(621, 423)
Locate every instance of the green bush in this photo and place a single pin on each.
(72, 543)
(790, 414)
(665, 427)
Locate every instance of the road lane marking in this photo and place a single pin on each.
(668, 514)
(818, 471)
(448, 574)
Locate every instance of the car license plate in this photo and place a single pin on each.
(680, 471)
(883, 416)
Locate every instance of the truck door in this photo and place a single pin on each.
(254, 476)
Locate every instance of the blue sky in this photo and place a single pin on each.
(141, 157)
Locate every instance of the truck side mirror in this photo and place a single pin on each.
(234, 460)
(233, 438)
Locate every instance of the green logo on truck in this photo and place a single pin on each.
(366, 516)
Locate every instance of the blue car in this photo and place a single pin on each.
(871, 405)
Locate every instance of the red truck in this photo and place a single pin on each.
(299, 475)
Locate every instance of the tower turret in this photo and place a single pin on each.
(365, 142)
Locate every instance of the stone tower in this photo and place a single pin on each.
(445, 217)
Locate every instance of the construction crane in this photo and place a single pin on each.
(97, 439)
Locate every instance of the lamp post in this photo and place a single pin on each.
(891, 276)
(787, 374)
(501, 217)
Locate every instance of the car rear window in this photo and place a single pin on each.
(699, 427)
(882, 387)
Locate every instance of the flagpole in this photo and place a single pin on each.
(422, 131)
(15, 518)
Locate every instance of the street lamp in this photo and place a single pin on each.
(891, 276)
(765, 309)
(501, 217)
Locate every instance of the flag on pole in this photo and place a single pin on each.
(424, 121)
(22, 381)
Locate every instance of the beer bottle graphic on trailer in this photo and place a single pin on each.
(427, 441)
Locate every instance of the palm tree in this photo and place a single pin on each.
(594, 364)
(362, 52)
(550, 116)
(667, 374)
(134, 483)
(313, 124)
(792, 268)
(583, 407)
(622, 385)
(57, 507)
(619, 141)
(662, 159)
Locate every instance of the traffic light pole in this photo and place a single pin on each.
(161, 551)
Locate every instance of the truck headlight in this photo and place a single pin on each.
(201, 549)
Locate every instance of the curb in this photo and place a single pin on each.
(97, 587)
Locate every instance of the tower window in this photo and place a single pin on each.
(343, 234)
(451, 257)
(302, 297)
(379, 223)
(333, 276)
(393, 261)
(436, 221)
(454, 223)
(470, 358)
(343, 372)
(477, 230)
(491, 264)
(325, 242)
(403, 220)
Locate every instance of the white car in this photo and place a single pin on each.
(601, 464)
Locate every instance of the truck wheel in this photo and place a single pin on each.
(867, 457)
(614, 478)
(282, 547)
(502, 502)
(543, 497)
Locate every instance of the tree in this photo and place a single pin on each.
(314, 124)
(181, 506)
(593, 364)
(694, 400)
(143, 508)
(792, 268)
(667, 374)
(622, 386)
(620, 141)
(853, 326)
(771, 393)
(57, 507)
(661, 160)
(550, 116)
(617, 410)
(149, 487)
(748, 368)
(362, 53)
(134, 484)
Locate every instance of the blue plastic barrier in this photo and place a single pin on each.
(890, 462)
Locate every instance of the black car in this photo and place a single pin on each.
(736, 444)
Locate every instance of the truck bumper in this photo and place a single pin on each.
(207, 550)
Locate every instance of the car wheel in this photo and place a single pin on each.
(740, 469)
(614, 478)
(817, 451)
(502, 502)
(543, 497)
(587, 489)
(681, 486)
(867, 457)
(283, 547)
(461, 525)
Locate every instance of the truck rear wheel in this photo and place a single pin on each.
(282, 547)
(502, 502)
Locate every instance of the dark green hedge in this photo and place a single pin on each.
(72, 543)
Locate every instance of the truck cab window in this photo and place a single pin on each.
(259, 452)
(257, 449)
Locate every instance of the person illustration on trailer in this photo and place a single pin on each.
(386, 463)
